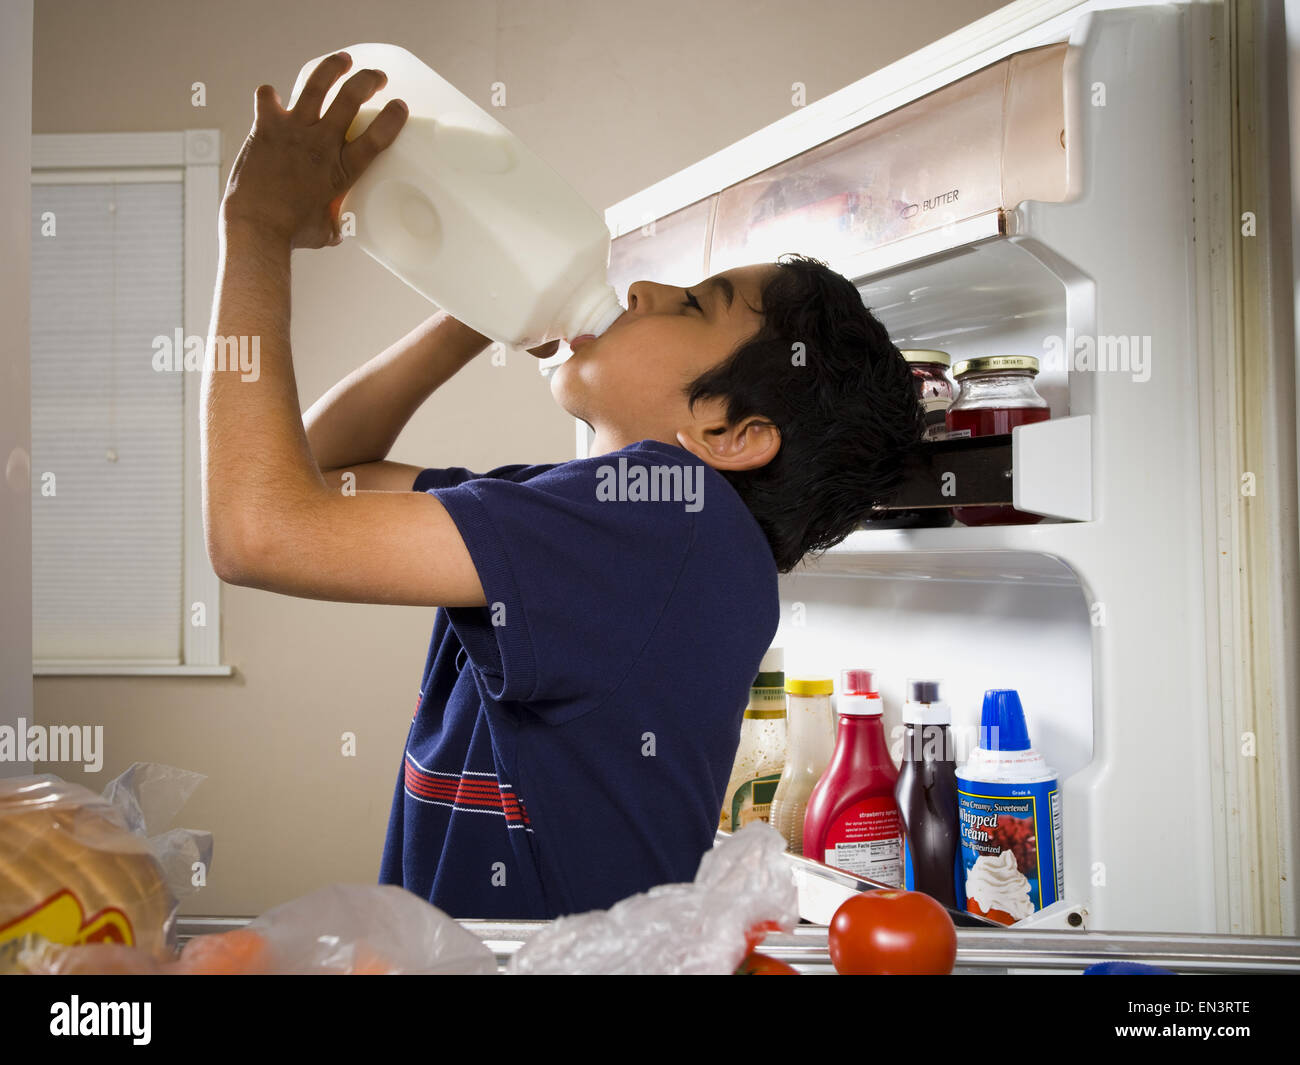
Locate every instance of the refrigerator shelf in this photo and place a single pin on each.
(1043, 468)
(943, 555)
(988, 951)
(1007, 952)
(1011, 951)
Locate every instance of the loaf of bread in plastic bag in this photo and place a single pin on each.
(71, 871)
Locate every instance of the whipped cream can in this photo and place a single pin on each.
(1009, 816)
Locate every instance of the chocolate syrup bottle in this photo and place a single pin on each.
(926, 794)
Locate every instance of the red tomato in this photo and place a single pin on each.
(892, 932)
(762, 965)
(755, 934)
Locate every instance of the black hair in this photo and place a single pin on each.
(844, 404)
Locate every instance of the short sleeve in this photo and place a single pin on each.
(575, 584)
(445, 477)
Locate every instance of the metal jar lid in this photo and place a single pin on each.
(925, 355)
(809, 686)
(995, 363)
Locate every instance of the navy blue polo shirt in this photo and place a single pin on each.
(573, 738)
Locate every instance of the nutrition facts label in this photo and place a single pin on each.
(866, 839)
(876, 860)
(1056, 844)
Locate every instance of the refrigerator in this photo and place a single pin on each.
(1106, 187)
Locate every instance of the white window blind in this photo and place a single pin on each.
(107, 429)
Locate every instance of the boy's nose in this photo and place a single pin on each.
(644, 296)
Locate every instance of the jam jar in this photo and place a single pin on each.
(996, 393)
(935, 392)
(933, 388)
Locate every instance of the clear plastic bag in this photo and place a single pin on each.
(149, 795)
(743, 888)
(343, 929)
(76, 867)
(368, 928)
(703, 928)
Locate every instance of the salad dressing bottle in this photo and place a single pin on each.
(761, 753)
(811, 731)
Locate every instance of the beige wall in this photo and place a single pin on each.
(616, 96)
(16, 692)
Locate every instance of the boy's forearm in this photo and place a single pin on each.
(255, 457)
(359, 419)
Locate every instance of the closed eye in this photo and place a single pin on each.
(691, 301)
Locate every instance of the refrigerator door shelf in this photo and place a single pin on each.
(902, 555)
(1043, 468)
(1051, 468)
(1062, 916)
(923, 246)
(980, 144)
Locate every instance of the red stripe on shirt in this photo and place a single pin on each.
(476, 792)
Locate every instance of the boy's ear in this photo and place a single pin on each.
(748, 445)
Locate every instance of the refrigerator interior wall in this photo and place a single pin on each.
(1021, 623)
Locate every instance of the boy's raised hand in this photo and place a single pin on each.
(296, 166)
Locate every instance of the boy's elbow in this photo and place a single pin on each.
(231, 550)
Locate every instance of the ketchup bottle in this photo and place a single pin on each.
(852, 821)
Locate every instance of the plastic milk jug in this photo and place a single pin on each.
(468, 216)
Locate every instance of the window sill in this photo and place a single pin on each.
(92, 668)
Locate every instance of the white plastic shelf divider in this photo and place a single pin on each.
(1051, 468)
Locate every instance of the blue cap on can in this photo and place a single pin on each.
(1002, 722)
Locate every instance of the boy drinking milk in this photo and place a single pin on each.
(601, 620)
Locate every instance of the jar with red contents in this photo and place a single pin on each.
(933, 388)
(995, 394)
(935, 392)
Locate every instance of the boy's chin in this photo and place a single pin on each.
(564, 383)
